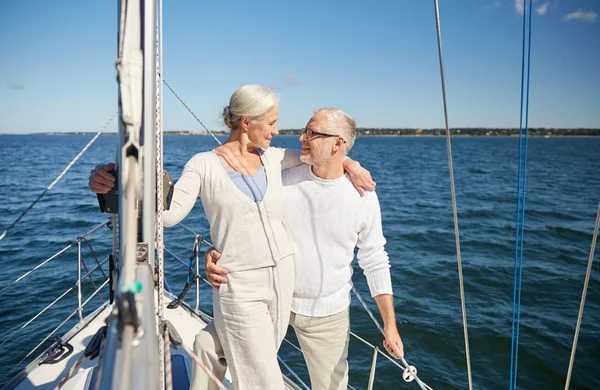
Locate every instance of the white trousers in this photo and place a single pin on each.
(324, 342)
(251, 313)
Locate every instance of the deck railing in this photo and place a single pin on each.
(191, 267)
(78, 284)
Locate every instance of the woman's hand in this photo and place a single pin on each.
(214, 273)
(360, 177)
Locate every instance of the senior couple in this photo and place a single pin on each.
(285, 225)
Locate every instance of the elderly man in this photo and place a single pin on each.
(327, 218)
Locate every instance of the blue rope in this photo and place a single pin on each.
(520, 221)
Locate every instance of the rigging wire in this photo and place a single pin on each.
(63, 173)
(521, 191)
(583, 294)
(191, 112)
(406, 366)
(453, 193)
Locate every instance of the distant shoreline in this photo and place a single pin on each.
(389, 132)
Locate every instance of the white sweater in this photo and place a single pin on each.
(248, 235)
(327, 220)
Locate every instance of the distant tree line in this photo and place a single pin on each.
(540, 131)
(481, 131)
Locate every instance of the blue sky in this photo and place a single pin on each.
(375, 60)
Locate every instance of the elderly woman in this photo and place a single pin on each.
(241, 190)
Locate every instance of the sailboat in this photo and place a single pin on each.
(121, 344)
(142, 337)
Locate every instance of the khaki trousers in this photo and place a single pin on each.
(324, 342)
(251, 313)
(209, 350)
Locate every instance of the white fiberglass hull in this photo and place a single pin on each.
(48, 376)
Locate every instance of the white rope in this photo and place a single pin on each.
(159, 179)
(122, 28)
(72, 370)
(168, 378)
(161, 359)
(583, 294)
(212, 376)
(164, 346)
(58, 178)
(453, 193)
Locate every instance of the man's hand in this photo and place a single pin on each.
(393, 342)
(361, 178)
(214, 273)
(101, 181)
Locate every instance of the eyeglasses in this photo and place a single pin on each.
(309, 134)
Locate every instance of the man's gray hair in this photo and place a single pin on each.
(253, 101)
(338, 122)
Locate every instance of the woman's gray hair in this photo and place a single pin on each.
(253, 101)
(338, 122)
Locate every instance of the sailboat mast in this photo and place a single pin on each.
(130, 359)
(149, 126)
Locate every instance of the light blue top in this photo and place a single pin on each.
(254, 186)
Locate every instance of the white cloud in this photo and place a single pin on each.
(519, 6)
(542, 9)
(289, 80)
(581, 16)
(16, 86)
(493, 5)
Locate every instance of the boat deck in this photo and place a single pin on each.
(47, 376)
